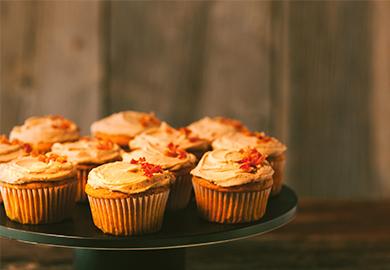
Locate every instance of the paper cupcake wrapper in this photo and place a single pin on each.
(277, 165)
(134, 215)
(82, 177)
(39, 205)
(230, 207)
(180, 193)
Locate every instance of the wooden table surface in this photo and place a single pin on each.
(325, 235)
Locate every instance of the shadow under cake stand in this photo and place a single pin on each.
(165, 249)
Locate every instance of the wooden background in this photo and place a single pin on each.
(317, 75)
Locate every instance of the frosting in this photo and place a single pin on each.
(128, 123)
(10, 150)
(46, 129)
(88, 150)
(212, 128)
(165, 134)
(232, 168)
(49, 167)
(169, 157)
(127, 177)
(266, 145)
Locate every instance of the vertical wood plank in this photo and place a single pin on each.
(51, 54)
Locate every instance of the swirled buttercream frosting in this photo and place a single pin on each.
(129, 177)
(88, 150)
(128, 123)
(46, 129)
(165, 134)
(170, 156)
(212, 128)
(48, 167)
(266, 145)
(227, 168)
(10, 150)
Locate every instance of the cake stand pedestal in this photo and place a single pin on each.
(165, 249)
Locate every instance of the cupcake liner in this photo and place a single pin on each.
(231, 207)
(180, 193)
(134, 215)
(82, 177)
(39, 205)
(278, 164)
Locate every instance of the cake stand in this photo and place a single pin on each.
(165, 249)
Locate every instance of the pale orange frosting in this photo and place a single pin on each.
(46, 129)
(128, 123)
(166, 134)
(127, 178)
(223, 168)
(212, 128)
(32, 169)
(266, 145)
(160, 155)
(88, 150)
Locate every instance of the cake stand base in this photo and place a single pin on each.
(173, 259)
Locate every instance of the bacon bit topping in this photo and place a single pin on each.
(251, 159)
(188, 133)
(27, 148)
(52, 157)
(148, 168)
(149, 120)
(174, 151)
(231, 122)
(105, 145)
(169, 130)
(62, 124)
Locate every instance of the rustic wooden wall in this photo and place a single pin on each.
(314, 74)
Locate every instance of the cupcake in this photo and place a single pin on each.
(170, 157)
(165, 134)
(86, 154)
(38, 189)
(42, 132)
(211, 128)
(128, 198)
(232, 186)
(10, 150)
(124, 126)
(269, 146)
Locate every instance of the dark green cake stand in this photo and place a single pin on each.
(165, 249)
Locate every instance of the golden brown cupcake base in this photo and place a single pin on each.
(82, 177)
(127, 214)
(238, 204)
(39, 202)
(181, 190)
(278, 164)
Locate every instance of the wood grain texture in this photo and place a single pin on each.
(326, 234)
(50, 61)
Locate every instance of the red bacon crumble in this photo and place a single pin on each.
(187, 132)
(105, 145)
(251, 159)
(149, 120)
(52, 157)
(174, 151)
(148, 168)
(27, 148)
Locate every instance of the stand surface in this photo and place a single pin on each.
(180, 229)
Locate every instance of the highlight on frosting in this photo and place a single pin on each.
(46, 129)
(164, 134)
(88, 150)
(10, 150)
(129, 177)
(169, 157)
(33, 168)
(232, 168)
(211, 128)
(128, 123)
(267, 145)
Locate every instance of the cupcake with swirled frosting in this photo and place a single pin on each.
(122, 127)
(269, 146)
(38, 189)
(174, 159)
(86, 154)
(128, 198)
(42, 132)
(232, 186)
(165, 134)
